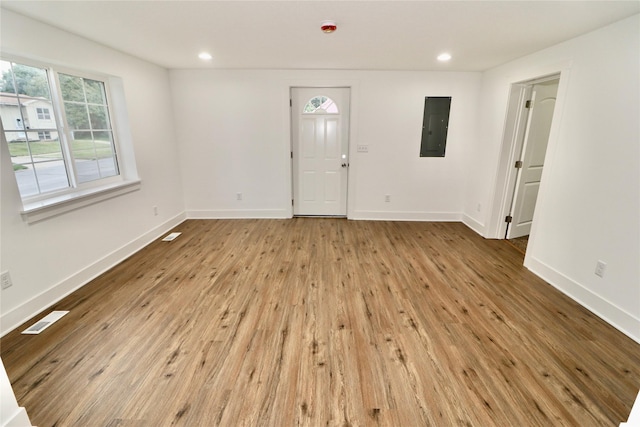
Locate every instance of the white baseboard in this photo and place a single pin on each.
(407, 216)
(474, 225)
(45, 299)
(634, 416)
(18, 419)
(11, 415)
(238, 214)
(606, 310)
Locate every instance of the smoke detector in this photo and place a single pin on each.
(328, 26)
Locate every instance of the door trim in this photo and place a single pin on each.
(525, 148)
(353, 86)
(514, 126)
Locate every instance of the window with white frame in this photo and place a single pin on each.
(59, 129)
(43, 113)
(44, 134)
(320, 105)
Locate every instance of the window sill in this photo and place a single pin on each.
(43, 209)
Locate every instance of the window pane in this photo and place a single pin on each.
(6, 84)
(95, 158)
(38, 113)
(100, 147)
(42, 151)
(95, 92)
(104, 136)
(104, 149)
(108, 167)
(99, 117)
(87, 167)
(15, 137)
(30, 107)
(51, 176)
(31, 81)
(10, 113)
(79, 138)
(26, 177)
(18, 149)
(322, 105)
(84, 149)
(48, 135)
(71, 88)
(87, 154)
(77, 115)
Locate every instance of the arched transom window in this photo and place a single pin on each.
(320, 105)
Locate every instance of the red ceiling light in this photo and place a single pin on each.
(328, 27)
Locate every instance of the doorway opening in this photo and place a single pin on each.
(531, 110)
(320, 151)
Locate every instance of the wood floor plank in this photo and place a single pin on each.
(318, 321)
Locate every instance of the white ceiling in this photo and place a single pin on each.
(372, 35)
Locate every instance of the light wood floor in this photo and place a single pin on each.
(323, 322)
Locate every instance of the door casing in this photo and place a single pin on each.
(514, 128)
(298, 95)
(532, 146)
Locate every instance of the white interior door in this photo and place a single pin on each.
(320, 150)
(533, 153)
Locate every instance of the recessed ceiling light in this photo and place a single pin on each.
(443, 57)
(205, 56)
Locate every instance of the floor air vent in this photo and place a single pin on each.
(44, 323)
(171, 236)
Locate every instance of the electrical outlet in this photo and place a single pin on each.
(155, 211)
(387, 198)
(601, 266)
(478, 207)
(5, 279)
(362, 148)
(238, 196)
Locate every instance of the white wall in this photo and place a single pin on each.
(234, 133)
(588, 208)
(52, 257)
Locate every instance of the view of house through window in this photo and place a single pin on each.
(36, 103)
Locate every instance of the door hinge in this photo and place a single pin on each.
(527, 104)
(508, 219)
(291, 202)
(290, 103)
(518, 164)
(292, 154)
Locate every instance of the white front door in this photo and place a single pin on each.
(320, 150)
(536, 138)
